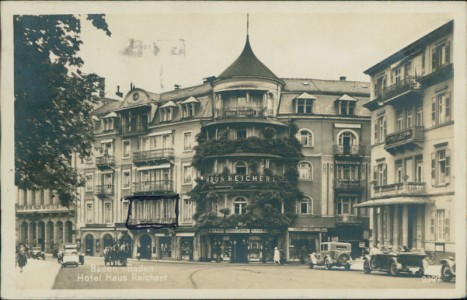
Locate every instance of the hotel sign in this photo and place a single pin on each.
(239, 178)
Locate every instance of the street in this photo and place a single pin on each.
(180, 275)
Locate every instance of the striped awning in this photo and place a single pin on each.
(395, 201)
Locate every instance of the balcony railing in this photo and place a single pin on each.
(400, 188)
(243, 111)
(153, 156)
(105, 189)
(105, 161)
(349, 219)
(348, 184)
(136, 130)
(344, 150)
(44, 207)
(440, 73)
(408, 138)
(409, 83)
(153, 187)
(135, 221)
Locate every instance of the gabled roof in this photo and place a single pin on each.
(169, 104)
(306, 96)
(346, 97)
(190, 100)
(247, 65)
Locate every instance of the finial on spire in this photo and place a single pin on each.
(247, 23)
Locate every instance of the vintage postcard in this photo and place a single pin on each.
(233, 149)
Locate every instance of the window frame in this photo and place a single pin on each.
(124, 154)
(124, 187)
(89, 188)
(188, 134)
(310, 139)
(309, 203)
(241, 205)
(305, 105)
(309, 173)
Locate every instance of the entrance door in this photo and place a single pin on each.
(240, 249)
(89, 244)
(145, 246)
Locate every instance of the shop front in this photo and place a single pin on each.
(238, 245)
(302, 242)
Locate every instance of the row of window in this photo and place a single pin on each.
(410, 169)
(343, 107)
(345, 138)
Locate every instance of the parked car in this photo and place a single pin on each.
(394, 262)
(75, 247)
(70, 257)
(37, 253)
(332, 254)
(448, 269)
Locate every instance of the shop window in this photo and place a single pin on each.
(240, 206)
(305, 171)
(301, 245)
(305, 137)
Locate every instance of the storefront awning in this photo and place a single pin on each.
(395, 201)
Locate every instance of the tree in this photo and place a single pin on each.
(53, 101)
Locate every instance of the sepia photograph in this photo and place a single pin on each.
(206, 149)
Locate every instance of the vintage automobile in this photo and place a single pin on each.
(75, 247)
(37, 253)
(70, 257)
(448, 269)
(332, 254)
(394, 262)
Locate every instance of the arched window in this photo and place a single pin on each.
(305, 137)
(240, 206)
(240, 168)
(305, 206)
(348, 141)
(305, 171)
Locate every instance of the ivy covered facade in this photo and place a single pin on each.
(258, 162)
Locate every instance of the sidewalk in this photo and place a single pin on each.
(37, 274)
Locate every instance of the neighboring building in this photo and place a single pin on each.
(412, 145)
(41, 221)
(247, 126)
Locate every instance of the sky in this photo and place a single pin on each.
(292, 45)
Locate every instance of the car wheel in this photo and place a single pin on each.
(420, 272)
(328, 264)
(393, 269)
(347, 267)
(366, 267)
(446, 275)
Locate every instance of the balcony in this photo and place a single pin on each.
(135, 130)
(158, 187)
(405, 89)
(44, 208)
(104, 190)
(347, 151)
(244, 111)
(137, 221)
(407, 139)
(105, 162)
(349, 184)
(440, 73)
(153, 156)
(400, 188)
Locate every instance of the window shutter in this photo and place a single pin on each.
(432, 224)
(433, 111)
(384, 128)
(433, 169)
(433, 59)
(385, 174)
(448, 165)
(448, 106)
(447, 221)
(448, 53)
(376, 132)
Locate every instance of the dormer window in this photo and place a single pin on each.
(167, 111)
(304, 104)
(109, 121)
(189, 107)
(346, 105)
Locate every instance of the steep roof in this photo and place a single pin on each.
(247, 64)
(326, 86)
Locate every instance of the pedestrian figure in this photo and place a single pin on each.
(277, 256)
(22, 258)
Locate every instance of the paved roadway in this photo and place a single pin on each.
(172, 275)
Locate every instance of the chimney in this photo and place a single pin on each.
(343, 78)
(118, 93)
